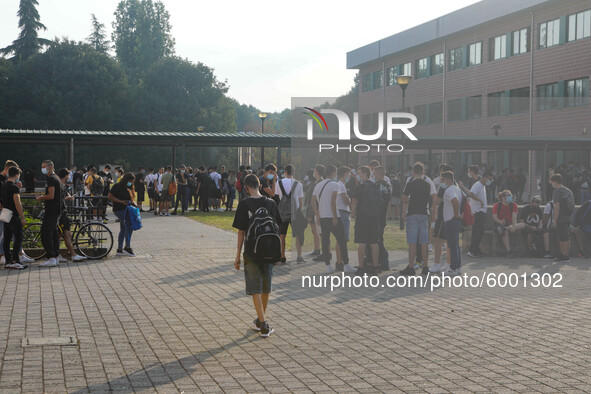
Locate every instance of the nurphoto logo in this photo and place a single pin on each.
(344, 130)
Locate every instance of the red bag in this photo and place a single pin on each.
(466, 212)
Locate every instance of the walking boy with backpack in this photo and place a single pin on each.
(257, 221)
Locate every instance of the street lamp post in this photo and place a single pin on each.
(263, 116)
(402, 81)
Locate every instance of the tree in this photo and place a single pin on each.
(28, 43)
(176, 94)
(141, 33)
(70, 86)
(98, 39)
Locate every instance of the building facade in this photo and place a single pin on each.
(504, 67)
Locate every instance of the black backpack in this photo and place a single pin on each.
(97, 186)
(262, 237)
(567, 204)
(285, 204)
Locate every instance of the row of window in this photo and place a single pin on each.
(570, 93)
(576, 26)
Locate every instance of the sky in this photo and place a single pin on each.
(268, 51)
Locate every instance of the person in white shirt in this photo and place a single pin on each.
(344, 207)
(286, 189)
(324, 203)
(159, 186)
(217, 179)
(478, 205)
(452, 198)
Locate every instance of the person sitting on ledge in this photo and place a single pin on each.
(505, 215)
(530, 222)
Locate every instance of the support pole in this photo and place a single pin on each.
(173, 157)
(278, 156)
(71, 153)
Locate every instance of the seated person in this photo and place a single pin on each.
(548, 228)
(581, 224)
(530, 222)
(505, 215)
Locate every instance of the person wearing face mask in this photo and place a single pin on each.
(53, 202)
(504, 216)
(478, 202)
(452, 225)
(11, 200)
(122, 194)
(182, 195)
(269, 182)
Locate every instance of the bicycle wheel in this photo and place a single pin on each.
(32, 241)
(94, 240)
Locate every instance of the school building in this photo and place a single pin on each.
(495, 69)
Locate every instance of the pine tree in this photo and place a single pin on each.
(98, 39)
(28, 43)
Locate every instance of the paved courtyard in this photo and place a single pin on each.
(175, 319)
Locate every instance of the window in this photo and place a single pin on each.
(421, 113)
(495, 103)
(549, 33)
(392, 72)
(474, 107)
(454, 110)
(366, 85)
(405, 69)
(519, 100)
(547, 96)
(579, 25)
(377, 79)
(437, 64)
(421, 68)
(520, 41)
(475, 54)
(436, 112)
(576, 92)
(456, 59)
(498, 47)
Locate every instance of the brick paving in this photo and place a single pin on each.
(175, 319)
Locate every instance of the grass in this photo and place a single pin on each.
(394, 239)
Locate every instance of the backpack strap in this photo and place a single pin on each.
(283, 190)
(322, 190)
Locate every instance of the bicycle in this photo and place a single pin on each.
(90, 238)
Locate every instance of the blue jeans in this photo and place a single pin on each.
(417, 228)
(346, 220)
(585, 195)
(452, 230)
(125, 230)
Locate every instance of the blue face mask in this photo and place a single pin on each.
(44, 171)
(488, 183)
(509, 199)
(128, 184)
(443, 186)
(347, 179)
(358, 178)
(270, 177)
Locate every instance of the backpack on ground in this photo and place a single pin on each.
(285, 204)
(172, 188)
(262, 237)
(97, 186)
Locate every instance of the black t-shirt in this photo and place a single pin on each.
(419, 192)
(54, 205)
(368, 197)
(139, 181)
(120, 191)
(8, 191)
(531, 215)
(181, 178)
(242, 216)
(2, 181)
(440, 194)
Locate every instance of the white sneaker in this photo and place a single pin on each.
(430, 248)
(24, 259)
(444, 267)
(61, 259)
(348, 269)
(2, 260)
(329, 269)
(451, 272)
(77, 257)
(435, 268)
(52, 262)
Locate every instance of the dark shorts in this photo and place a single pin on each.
(283, 227)
(562, 230)
(258, 276)
(366, 230)
(64, 223)
(438, 230)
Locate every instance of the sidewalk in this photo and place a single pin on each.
(176, 319)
